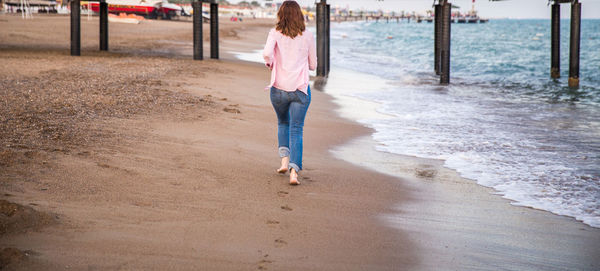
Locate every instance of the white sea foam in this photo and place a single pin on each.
(498, 144)
(502, 149)
(501, 123)
(254, 56)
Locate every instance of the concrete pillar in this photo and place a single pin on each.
(214, 31)
(574, 46)
(321, 39)
(103, 25)
(437, 38)
(445, 44)
(555, 43)
(197, 29)
(75, 28)
(327, 38)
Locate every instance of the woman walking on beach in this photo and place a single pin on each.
(290, 52)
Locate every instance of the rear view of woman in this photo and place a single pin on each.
(290, 52)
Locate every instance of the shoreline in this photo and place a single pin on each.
(457, 218)
(346, 91)
(425, 177)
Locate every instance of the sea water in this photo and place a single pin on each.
(502, 121)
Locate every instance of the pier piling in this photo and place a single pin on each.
(445, 43)
(197, 29)
(574, 45)
(75, 28)
(437, 38)
(103, 25)
(214, 30)
(322, 39)
(328, 35)
(555, 36)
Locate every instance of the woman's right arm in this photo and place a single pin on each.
(312, 53)
(269, 49)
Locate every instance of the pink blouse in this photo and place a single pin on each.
(290, 59)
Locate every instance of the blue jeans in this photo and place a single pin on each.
(290, 108)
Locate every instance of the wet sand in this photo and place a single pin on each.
(465, 226)
(458, 223)
(132, 160)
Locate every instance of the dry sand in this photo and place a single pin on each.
(133, 161)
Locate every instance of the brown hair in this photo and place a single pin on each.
(290, 20)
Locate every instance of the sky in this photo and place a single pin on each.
(505, 9)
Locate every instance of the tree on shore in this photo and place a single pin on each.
(255, 4)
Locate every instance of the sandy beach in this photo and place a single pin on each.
(141, 158)
(151, 163)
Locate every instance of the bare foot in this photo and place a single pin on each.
(294, 177)
(285, 161)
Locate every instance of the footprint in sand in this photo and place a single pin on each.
(262, 264)
(282, 193)
(84, 153)
(232, 110)
(103, 165)
(308, 179)
(280, 243)
(286, 208)
(272, 222)
(425, 172)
